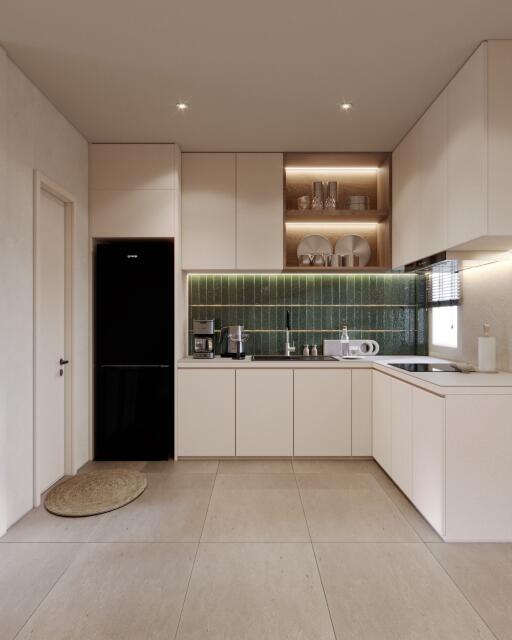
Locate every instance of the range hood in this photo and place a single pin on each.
(456, 260)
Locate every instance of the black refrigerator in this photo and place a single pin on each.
(134, 337)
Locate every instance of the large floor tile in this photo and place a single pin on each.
(255, 508)
(484, 573)
(181, 466)
(351, 508)
(394, 592)
(424, 530)
(41, 526)
(255, 466)
(255, 592)
(27, 573)
(171, 509)
(100, 465)
(334, 466)
(116, 591)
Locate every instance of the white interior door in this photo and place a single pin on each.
(50, 342)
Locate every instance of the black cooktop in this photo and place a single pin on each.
(425, 367)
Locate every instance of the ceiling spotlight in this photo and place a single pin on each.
(182, 106)
(346, 106)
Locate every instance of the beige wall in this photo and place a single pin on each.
(33, 135)
(487, 297)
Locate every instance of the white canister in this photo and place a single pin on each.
(487, 351)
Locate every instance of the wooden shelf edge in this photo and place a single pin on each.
(337, 270)
(336, 215)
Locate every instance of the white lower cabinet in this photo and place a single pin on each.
(264, 412)
(428, 457)
(401, 435)
(322, 416)
(382, 420)
(362, 412)
(206, 412)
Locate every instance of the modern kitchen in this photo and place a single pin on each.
(257, 381)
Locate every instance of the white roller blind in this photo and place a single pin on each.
(444, 285)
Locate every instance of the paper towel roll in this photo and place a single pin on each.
(487, 354)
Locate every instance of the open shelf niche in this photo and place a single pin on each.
(357, 174)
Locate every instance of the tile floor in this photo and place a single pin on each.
(243, 550)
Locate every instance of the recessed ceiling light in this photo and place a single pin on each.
(346, 106)
(182, 106)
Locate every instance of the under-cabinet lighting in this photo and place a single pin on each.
(331, 169)
(316, 225)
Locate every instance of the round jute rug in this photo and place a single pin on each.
(96, 492)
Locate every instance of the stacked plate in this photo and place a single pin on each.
(349, 251)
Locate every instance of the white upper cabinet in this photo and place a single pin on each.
(208, 202)
(406, 181)
(232, 211)
(451, 172)
(259, 211)
(433, 181)
(466, 152)
(133, 190)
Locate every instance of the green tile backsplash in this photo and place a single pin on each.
(389, 308)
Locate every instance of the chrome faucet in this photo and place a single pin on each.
(288, 348)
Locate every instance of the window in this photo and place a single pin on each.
(445, 326)
(444, 298)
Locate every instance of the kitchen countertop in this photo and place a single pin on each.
(440, 383)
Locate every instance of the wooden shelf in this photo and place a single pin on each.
(327, 216)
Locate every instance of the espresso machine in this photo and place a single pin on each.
(232, 341)
(204, 338)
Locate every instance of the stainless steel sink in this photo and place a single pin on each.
(278, 358)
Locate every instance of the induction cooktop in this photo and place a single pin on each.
(426, 367)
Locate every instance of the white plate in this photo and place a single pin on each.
(354, 245)
(352, 357)
(314, 244)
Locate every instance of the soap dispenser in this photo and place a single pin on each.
(487, 351)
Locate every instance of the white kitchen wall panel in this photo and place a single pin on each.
(208, 228)
(133, 190)
(362, 402)
(322, 413)
(264, 412)
(206, 413)
(259, 211)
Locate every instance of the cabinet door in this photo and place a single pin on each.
(362, 412)
(206, 412)
(208, 211)
(428, 457)
(432, 194)
(259, 211)
(406, 185)
(401, 435)
(322, 416)
(466, 153)
(264, 412)
(382, 420)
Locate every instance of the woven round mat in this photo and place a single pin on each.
(96, 492)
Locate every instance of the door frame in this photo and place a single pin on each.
(42, 182)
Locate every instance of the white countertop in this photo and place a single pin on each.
(440, 383)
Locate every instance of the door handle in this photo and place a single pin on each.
(62, 361)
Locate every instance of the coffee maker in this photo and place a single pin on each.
(204, 338)
(232, 340)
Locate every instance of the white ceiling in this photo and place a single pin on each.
(260, 75)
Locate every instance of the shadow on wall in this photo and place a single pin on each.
(487, 298)
(389, 308)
